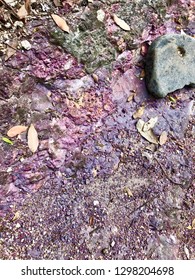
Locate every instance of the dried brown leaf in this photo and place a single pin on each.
(61, 23)
(22, 12)
(91, 221)
(95, 78)
(163, 138)
(121, 23)
(148, 135)
(33, 141)
(139, 112)
(128, 192)
(16, 216)
(15, 130)
(150, 124)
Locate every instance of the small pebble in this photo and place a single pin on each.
(26, 45)
(8, 25)
(9, 169)
(18, 24)
(105, 251)
(96, 203)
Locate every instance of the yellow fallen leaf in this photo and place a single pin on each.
(61, 23)
(33, 141)
(15, 130)
(192, 226)
(121, 23)
(172, 99)
(6, 140)
(16, 216)
(189, 227)
(163, 138)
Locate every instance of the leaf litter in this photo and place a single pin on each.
(125, 214)
(121, 23)
(33, 141)
(138, 114)
(147, 134)
(163, 138)
(150, 124)
(22, 12)
(15, 130)
(61, 23)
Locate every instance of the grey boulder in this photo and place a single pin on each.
(170, 64)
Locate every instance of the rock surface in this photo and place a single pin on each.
(95, 189)
(170, 64)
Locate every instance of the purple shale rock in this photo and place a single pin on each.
(170, 64)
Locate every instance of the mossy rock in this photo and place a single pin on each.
(88, 43)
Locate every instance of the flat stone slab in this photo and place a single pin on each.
(170, 64)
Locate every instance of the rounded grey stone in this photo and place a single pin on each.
(170, 64)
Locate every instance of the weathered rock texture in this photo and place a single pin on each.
(170, 64)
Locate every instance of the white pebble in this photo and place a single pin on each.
(18, 225)
(26, 45)
(9, 169)
(96, 203)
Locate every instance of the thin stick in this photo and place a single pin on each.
(11, 9)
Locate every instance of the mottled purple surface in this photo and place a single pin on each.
(71, 195)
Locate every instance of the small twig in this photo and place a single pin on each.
(11, 9)
(10, 45)
(94, 230)
(168, 177)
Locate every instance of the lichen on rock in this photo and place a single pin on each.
(88, 42)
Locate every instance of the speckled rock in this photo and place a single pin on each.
(170, 64)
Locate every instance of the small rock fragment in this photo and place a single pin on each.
(26, 45)
(100, 15)
(170, 64)
(96, 203)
